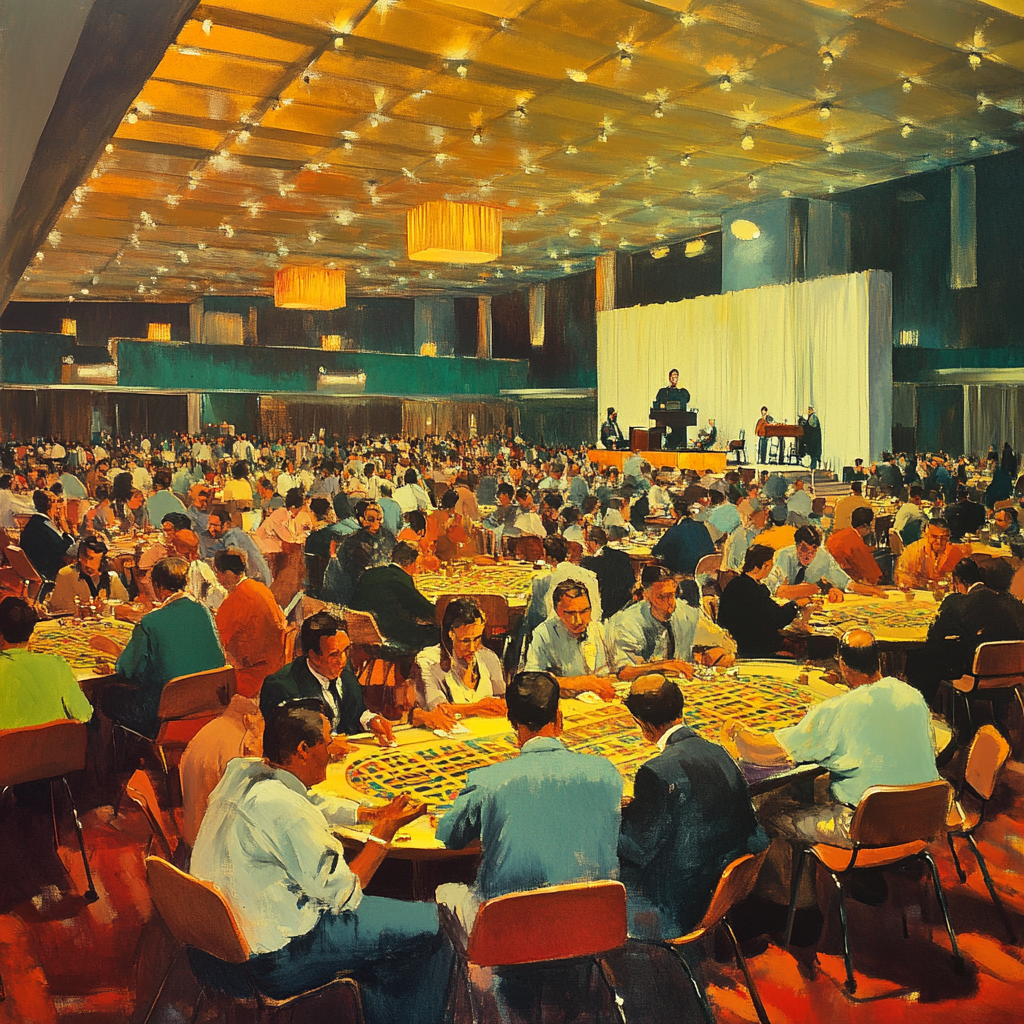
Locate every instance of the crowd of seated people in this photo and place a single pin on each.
(233, 532)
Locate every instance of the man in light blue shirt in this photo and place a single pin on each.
(391, 509)
(878, 734)
(162, 500)
(222, 535)
(799, 569)
(547, 817)
(266, 843)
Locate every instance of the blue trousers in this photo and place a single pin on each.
(394, 949)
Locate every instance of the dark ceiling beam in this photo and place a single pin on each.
(121, 44)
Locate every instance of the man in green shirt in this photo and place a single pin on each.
(34, 688)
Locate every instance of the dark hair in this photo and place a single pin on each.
(178, 520)
(240, 470)
(940, 522)
(449, 499)
(856, 487)
(319, 506)
(316, 628)
(294, 498)
(807, 535)
(162, 479)
(656, 707)
(556, 547)
(102, 492)
(411, 476)
(368, 469)
(463, 611)
(611, 409)
(532, 700)
(673, 370)
(404, 553)
(916, 491)
(170, 574)
(121, 488)
(286, 727)
(5, 482)
(220, 511)
(570, 514)
(416, 520)
(42, 501)
(17, 620)
(1011, 512)
(968, 572)
(568, 589)
(598, 536)
(92, 543)
(522, 492)
(861, 517)
(552, 499)
(861, 659)
(756, 556)
(231, 560)
(507, 489)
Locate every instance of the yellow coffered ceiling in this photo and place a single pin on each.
(280, 133)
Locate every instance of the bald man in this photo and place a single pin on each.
(878, 734)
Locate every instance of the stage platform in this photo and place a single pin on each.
(698, 461)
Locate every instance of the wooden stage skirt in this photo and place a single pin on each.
(698, 461)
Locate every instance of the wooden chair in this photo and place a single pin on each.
(736, 884)
(580, 921)
(892, 824)
(708, 565)
(988, 753)
(737, 448)
(32, 582)
(378, 662)
(199, 918)
(996, 675)
(140, 790)
(48, 752)
(895, 543)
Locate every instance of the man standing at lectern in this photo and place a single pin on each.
(675, 397)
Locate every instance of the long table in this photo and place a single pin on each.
(511, 580)
(762, 695)
(892, 620)
(69, 638)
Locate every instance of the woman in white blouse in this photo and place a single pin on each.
(459, 676)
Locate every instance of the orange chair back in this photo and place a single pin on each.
(494, 607)
(555, 923)
(198, 694)
(895, 543)
(708, 564)
(988, 753)
(41, 752)
(736, 884)
(291, 635)
(195, 912)
(362, 628)
(896, 815)
(999, 664)
(140, 790)
(19, 562)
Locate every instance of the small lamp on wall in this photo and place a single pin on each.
(69, 327)
(159, 332)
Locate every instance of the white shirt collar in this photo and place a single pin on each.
(663, 742)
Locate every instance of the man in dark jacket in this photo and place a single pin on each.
(973, 614)
(46, 537)
(682, 546)
(402, 613)
(964, 515)
(613, 569)
(746, 608)
(690, 817)
(324, 674)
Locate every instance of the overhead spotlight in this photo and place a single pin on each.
(906, 130)
(659, 110)
(827, 58)
(725, 83)
(684, 160)
(751, 183)
(974, 60)
(825, 111)
(907, 85)
(625, 59)
(747, 142)
(462, 71)
(478, 135)
(975, 143)
(602, 135)
(520, 111)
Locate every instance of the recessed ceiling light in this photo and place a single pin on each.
(825, 111)
(725, 83)
(745, 230)
(907, 85)
(747, 142)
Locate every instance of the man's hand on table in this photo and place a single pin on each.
(381, 728)
(441, 716)
(835, 596)
(393, 816)
(675, 666)
(488, 707)
(339, 747)
(716, 656)
(601, 685)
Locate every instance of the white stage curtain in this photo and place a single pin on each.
(826, 343)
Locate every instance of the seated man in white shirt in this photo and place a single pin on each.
(806, 567)
(266, 843)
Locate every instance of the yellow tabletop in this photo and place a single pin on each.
(511, 580)
(992, 550)
(69, 638)
(762, 695)
(890, 619)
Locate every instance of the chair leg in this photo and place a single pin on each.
(709, 1017)
(163, 984)
(197, 1009)
(961, 874)
(609, 982)
(794, 885)
(942, 904)
(851, 982)
(755, 997)
(53, 815)
(90, 894)
(991, 888)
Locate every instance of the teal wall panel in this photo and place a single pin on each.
(33, 358)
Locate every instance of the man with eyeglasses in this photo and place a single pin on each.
(371, 545)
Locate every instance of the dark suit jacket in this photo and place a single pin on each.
(682, 546)
(389, 592)
(690, 817)
(45, 546)
(966, 620)
(747, 611)
(296, 682)
(615, 579)
(639, 512)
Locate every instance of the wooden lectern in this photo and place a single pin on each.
(677, 419)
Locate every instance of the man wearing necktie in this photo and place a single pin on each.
(324, 674)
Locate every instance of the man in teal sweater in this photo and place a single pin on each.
(177, 638)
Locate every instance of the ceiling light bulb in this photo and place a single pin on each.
(602, 136)
(824, 111)
(974, 60)
(975, 143)
(109, 147)
(373, 121)
(659, 111)
(827, 58)
(747, 142)
(906, 130)
(478, 135)
(752, 183)
(132, 117)
(625, 59)
(462, 71)
(684, 160)
(725, 83)
(520, 111)
(339, 42)
(907, 85)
